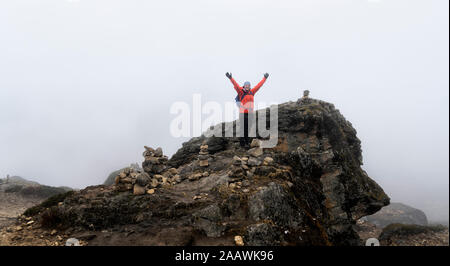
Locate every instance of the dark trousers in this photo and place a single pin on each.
(246, 122)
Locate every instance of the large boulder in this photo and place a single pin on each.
(397, 213)
(311, 192)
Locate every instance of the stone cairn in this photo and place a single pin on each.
(203, 155)
(305, 93)
(305, 99)
(154, 161)
(155, 164)
(132, 179)
(203, 162)
(155, 174)
(238, 173)
(244, 167)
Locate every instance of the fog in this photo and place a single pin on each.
(85, 84)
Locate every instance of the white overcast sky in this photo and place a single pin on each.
(85, 84)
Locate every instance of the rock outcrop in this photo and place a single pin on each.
(414, 235)
(112, 177)
(17, 194)
(307, 190)
(397, 213)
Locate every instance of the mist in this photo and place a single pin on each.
(84, 85)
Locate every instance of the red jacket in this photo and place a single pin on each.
(247, 101)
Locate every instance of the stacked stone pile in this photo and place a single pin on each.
(131, 179)
(154, 161)
(239, 169)
(197, 176)
(171, 177)
(203, 155)
(155, 174)
(255, 149)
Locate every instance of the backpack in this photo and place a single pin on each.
(238, 100)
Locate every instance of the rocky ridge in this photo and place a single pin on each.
(308, 190)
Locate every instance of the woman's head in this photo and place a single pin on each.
(247, 85)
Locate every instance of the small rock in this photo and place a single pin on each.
(246, 190)
(53, 232)
(151, 191)
(194, 177)
(19, 228)
(158, 152)
(255, 143)
(138, 190)
(126, 180)
(205, 174)
(177, 178)
(239, 241)
(30, 222)
(203, 157)
(143, 179)
(158, 177)
(255, 152)
(154, 183)
(72, 242)
(204, 163)
(268, 160)
(254, 162)
(173, 171)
